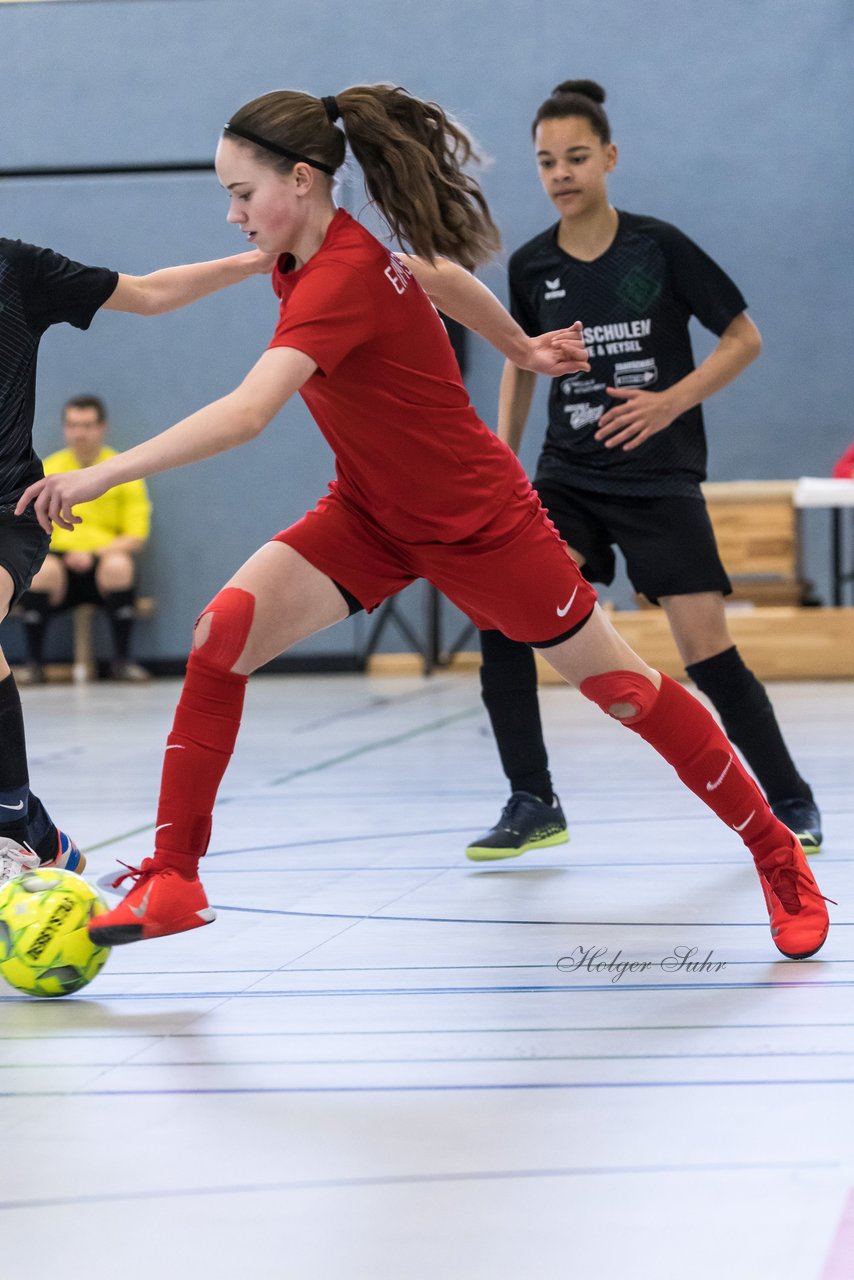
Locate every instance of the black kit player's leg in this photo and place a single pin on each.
(119, 607)
(35, 615)
(28, 836)
(750, 722)
(533, 817)
(508, 683)
(14, 775)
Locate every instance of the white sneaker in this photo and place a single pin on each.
(14, 859)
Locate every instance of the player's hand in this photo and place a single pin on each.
(558, 353)
(54, 496)
(640, 415)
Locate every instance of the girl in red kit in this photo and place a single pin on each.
(423, 487)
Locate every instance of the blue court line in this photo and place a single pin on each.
(380, 702)
(408, 1179)
(507, 1087)
(410, 992)
(286, 969)
(459, 1059)
(462, 968)
(432, 1031)
(318, 767)
(505, 867)
(563, 924)
(351, 839)
(419, 833)
(379, 745)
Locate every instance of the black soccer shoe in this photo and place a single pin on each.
(526, 822)
(803, 820)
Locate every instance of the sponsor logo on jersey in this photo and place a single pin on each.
(594, 333)
(583, 415)
(397, 274)
(554, 290)
(639, 289)
(576, 386)
(635, 373)
(620, 339)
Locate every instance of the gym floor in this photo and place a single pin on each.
(373, 1063)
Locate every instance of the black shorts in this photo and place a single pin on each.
(668, 543)
(81, 589)
(23, 547)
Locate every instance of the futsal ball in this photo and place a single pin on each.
(44, 947)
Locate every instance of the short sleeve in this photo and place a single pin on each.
(329, 313)
(135, 509)
(56, 289)
(703, 286)
(520, 304)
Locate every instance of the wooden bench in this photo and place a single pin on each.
(757, 531)
(84, 666)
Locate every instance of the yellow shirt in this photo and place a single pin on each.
(124, 510)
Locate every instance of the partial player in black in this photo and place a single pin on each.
(624, 455)
(39, 288)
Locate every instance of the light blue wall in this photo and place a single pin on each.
(733, 120)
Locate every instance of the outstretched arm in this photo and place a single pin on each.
(456, 292)
(175, 287)
(222, 425)
(514, 404)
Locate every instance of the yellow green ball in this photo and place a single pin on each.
(45, 949)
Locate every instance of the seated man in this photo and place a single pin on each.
(95, 563)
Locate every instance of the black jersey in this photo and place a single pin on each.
(38, 288)
(634, 302)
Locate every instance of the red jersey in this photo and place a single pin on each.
(411, 453)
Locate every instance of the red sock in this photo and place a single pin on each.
(198, 750)
(688, 737)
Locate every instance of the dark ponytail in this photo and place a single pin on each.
(577, 98)
(412, 156)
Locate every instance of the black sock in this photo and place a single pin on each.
(749, 721)
(41, 830)
(14, 777)
(508, 681)
(35, 606)
(23, 817)
(119, 606)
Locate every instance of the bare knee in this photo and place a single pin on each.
(202, 629)
(114, 571)
(222, 629)
(51, 580)
(624, 695)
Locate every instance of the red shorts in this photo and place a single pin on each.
(513, 575)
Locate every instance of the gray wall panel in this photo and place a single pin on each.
(733, 120)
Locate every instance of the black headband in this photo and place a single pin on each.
(280, 151)
(333, 111)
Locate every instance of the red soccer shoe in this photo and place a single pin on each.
(799, 919)
(162, 901)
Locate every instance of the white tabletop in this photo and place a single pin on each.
(820, 491)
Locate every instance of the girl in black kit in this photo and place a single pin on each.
(38, 289)
(624, 456)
